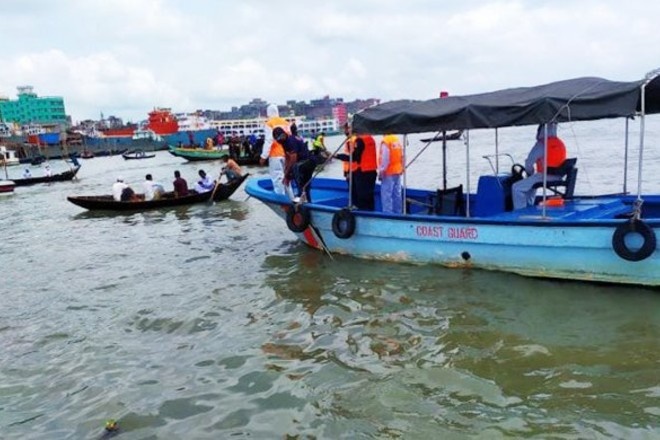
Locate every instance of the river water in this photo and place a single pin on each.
(212, 321)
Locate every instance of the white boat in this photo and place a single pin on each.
(597, 237)
(8, 157)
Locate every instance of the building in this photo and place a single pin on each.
(32, 109)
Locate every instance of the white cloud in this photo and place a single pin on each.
(124, 57)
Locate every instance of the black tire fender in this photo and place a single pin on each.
(343, 223)
(298, 218)
(634, 226)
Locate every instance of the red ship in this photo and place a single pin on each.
(162, 121)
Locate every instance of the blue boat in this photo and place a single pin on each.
(603, 238)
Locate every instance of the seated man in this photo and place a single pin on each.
(118, 188)
(523, 191)
(205, 183)
(152, 190)
(180, 185)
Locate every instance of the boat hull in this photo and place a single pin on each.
(529, 244)
(198, 154)
(60, 177)
(6, 187)
(107, 202)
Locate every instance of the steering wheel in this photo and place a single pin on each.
(518, 172)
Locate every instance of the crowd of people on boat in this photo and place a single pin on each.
(291, 164)
(154, 190)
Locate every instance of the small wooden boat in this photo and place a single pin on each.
(6, 187)
(197, 154)
(247, 160)
(60, 177)
(108, 203)
(138, 154)
(447, 137)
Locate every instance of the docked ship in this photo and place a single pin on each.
(180, 128)
(306, 127)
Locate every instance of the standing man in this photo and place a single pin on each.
(273, 151)
(364, 169)
(390, 169)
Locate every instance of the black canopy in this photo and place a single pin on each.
(569, 100)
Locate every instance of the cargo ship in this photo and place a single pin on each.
(180, 128)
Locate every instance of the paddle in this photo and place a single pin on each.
(215, 188)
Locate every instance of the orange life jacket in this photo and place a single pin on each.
(368, 160)
(395, 165)
(556, 154)
(276, 149)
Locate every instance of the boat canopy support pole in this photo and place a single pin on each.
(405, 180)
(444, 160)
(545, 168)
(625, 157)
(637, 209)
(467, 174)
(497, 152)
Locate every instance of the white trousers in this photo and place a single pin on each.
(276, 171)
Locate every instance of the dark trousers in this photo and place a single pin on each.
(302, 174)
(364, 183)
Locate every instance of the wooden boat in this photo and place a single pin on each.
(6, 186)
(446, 137)
(607, 238)
(197, 154)
(139, 154)
(247, 160)
(108, 203)
(60, 177)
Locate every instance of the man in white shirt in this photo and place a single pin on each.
(117, 188)
(205, 183)
(152, 190)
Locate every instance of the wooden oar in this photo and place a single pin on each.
(215, 188)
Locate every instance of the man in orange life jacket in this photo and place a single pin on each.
(390, 168)
(363, 171)
(522, 191)
(274, 151)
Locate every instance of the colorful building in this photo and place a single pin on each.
(30, 108)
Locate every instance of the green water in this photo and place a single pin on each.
(212, 321)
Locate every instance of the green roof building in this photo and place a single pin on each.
(30, 108)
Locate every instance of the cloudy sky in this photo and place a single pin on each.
(124, 57)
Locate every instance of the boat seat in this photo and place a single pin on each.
(565, 187)
(447, 201)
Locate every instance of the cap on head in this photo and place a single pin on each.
(279, 134)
